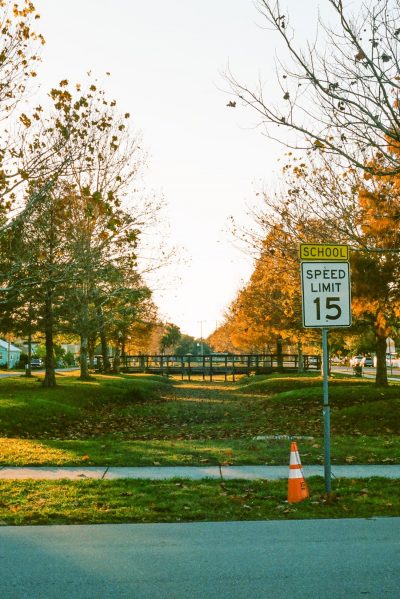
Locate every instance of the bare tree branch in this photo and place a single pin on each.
(341, 94)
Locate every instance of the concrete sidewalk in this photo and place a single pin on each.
(192, 472)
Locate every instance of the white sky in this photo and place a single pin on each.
(166, 60)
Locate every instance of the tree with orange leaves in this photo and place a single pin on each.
(376, 266)
(322, 204)
(268, 308)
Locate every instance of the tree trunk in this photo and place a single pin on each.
(104, 351)
(117, 360)
(300, 355)
(381, 368)
(84, 335)
(84, 362)
(103, 341)
(91, 350)
(279, 355)
(28, 369)
(50, 376)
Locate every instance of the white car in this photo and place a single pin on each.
(357, 361)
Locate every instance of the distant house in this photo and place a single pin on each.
(9, 354)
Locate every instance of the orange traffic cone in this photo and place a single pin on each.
(297, 487)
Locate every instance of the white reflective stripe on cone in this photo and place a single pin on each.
(294, 458)
(296, 474)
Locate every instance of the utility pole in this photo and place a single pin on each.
(201, 337)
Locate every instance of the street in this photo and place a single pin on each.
(367, 372)
(4, 374)
(327, 559)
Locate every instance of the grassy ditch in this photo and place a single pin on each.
(74, 408)
(149, 420)
(95, 502)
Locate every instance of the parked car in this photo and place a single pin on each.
(368, 362)
(357, 361)
(36, 363)
(393, 362)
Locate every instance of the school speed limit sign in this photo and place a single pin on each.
(326, 294)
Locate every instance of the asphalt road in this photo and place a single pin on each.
(325, 559)
(4, 374)
(393, 373)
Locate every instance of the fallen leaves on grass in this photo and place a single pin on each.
(350, 459)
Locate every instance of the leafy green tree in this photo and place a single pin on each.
(145, 332)
(69, 359)
(19, 55)
(104, 223)
(129, 307)
(186, 345)
(41, 267)
(192, 345)
(171, 338)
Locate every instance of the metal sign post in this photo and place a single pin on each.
(326, 412)
(326, 301)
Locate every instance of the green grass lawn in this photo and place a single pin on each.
(149, 420)
(95, 502)
(28, 410)
(107, 451)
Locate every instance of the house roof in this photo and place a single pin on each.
(4, 345)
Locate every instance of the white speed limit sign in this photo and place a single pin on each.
(326, 294)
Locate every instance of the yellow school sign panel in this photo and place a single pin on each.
(324, 252)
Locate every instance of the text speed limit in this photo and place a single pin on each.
(326, 294)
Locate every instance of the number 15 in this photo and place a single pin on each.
(330, 304)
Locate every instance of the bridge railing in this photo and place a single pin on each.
(218, 364)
